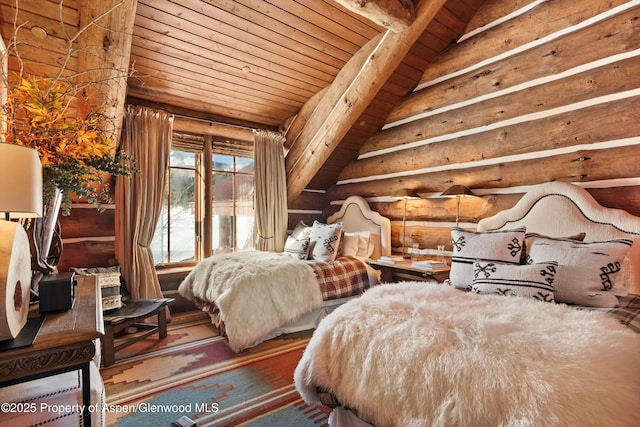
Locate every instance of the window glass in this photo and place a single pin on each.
(223, 211)
(222, 162)
(182, 158)
(182, 216)
(244, 165)
(175, 235)
(180, 236)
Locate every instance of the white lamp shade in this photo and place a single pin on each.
(20, 181)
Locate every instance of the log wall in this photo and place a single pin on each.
(98, 54)
(88, 237)
(521, 99)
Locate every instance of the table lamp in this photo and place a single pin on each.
(405, 194)
(457, 191)
(20, 197)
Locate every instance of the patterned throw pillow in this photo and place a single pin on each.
(591, 273)
(297, 248)
(529, 281)
(469, 247)
(110, 284)
(325, 239)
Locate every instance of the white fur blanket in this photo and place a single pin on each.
(256, 292)
(416, 354)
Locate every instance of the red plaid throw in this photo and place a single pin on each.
(344, 277)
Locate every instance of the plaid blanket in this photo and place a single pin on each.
(627, 312)
(344, 277)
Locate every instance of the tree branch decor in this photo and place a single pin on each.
(62, 91)
(70, 114)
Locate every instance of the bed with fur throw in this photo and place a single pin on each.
(418, 354)
(255, 292)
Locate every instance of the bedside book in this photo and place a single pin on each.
(429, 264)
(391, 259)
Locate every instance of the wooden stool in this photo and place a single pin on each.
(133, 312)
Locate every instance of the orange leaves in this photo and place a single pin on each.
(73, 145)
(39, 116)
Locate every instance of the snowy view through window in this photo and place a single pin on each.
(175, 239)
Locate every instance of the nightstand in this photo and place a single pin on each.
(403, 271)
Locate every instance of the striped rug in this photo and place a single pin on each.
(193, 373)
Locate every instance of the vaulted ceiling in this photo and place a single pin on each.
(253, 62)
(257, 63)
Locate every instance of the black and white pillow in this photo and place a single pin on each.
(591, 273)
(529, 281)
(325, 240)
(468, 247)
(297, 248)
(110, 282)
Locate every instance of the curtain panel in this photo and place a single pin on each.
(146, 136)
(271, 214)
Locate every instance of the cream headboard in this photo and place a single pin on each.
(560, 209)
(356, 215)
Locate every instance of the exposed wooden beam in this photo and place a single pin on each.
(396, 15)
(299, 121)
(217, 130)
(104, 48)
(353, 89)
(196, 115)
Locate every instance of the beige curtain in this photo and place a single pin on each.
(271, 191)
(146, 136)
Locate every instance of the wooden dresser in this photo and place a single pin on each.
(67, 341)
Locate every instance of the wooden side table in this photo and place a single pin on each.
(133, 312)
(401, 271)
(66, 342)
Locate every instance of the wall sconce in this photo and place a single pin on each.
(20, 197)
(458, 191)
(405, 194)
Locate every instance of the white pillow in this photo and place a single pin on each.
(325, 239)
(297, 248)
(469, 247)
(592, 273)
(529, 281)
(357, 243)
(349, 244)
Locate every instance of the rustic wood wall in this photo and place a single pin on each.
(536, 91)
(521, 99)
(100, 53)
(88, 237)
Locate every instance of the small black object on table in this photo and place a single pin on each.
(133, 312)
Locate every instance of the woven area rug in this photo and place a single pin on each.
(193, 373)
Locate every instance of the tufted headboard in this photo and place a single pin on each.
(356, 215)
(560, 209)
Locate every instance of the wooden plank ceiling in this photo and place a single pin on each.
(256, 63)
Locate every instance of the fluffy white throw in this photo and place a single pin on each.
(416, 354)
(256, 292)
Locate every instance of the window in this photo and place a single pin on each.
(232, 202)
(183, 233)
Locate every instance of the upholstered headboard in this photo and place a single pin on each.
(560, 209)
(356, 215)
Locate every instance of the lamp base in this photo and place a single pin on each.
(15, 278)
(27, 335)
